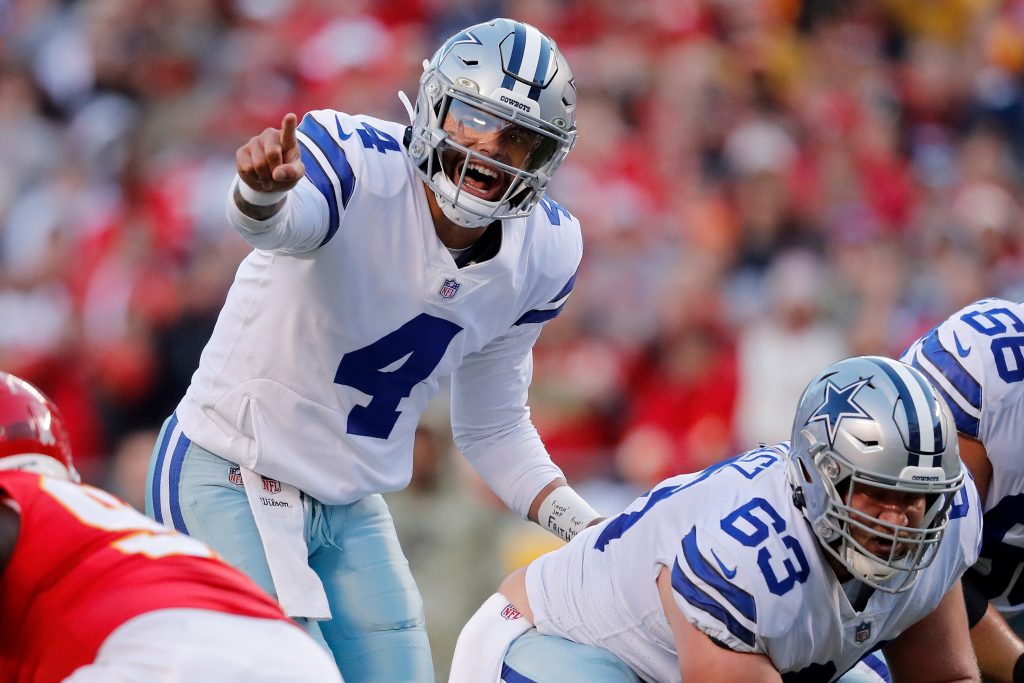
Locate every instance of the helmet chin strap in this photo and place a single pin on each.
(868, 566)
(404, 99)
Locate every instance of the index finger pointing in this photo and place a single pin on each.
(288, 126)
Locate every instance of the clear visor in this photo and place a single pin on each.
(497, 138)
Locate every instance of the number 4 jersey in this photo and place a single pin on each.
(746, 570)
(974, 360)
(340, 323)
(85, 563)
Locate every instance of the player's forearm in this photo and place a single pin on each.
(997, 648)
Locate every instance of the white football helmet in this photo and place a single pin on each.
(875, 422)
(494, 118)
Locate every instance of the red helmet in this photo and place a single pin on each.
(32, 432)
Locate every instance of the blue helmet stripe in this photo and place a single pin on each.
(515, 61)
(539, 76)
(913, 424)
(703, 570)
(935, 411)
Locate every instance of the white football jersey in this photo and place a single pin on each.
(975, 361)
(338, 326)
(746, 569)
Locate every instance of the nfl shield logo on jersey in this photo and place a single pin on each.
(271, 485)
(449, 288)
(235, 476)
(863, 632)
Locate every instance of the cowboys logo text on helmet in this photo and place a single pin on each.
(500, 80)
(874, 422)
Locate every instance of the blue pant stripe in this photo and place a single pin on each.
(174, 482)
(510, 675)
(159, 467)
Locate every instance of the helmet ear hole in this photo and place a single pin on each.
(804, 473)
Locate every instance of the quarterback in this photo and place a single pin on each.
(975, 362)
(792, 562)
(93, 591)
(385, 258)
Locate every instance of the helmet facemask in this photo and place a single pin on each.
(901, 551)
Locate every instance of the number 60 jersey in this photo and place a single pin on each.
(340, 323)
(975, 362)
(747, 570)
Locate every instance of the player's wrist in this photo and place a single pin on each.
(259, 197)
(564, 513)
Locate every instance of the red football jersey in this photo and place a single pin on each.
(85, 563)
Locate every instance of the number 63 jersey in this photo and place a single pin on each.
(974, 360)
(340, 323)
(746, 570)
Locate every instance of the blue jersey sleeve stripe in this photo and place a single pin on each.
(704, 602)
(319, 178)
(564, 292)
(333, 152)
(703, 570)
(966, 424)
(946, 363)
(539, 316)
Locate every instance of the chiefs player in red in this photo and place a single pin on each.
(91, 590)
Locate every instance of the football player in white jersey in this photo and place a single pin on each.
(792, 562)
(385, 257)
(974, 359)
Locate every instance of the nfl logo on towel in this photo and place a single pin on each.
(863, 632)
(271, 485)
(449, 288)
(510, 612)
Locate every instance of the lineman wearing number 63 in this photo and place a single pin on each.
(385, 257)
(792, 563)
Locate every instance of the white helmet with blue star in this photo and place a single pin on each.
(874, 422)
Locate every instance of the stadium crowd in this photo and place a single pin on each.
(764, 187)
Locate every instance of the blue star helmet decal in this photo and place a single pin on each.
(838, 404)
(465, 37)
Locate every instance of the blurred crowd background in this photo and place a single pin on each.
(764, 186)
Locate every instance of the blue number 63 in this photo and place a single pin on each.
(757, 531)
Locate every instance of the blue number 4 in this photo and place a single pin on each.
(375, 138)
(389, 368)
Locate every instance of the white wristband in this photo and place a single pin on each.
(564, 513)
(257, 197)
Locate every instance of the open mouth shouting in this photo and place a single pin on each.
(481, 180)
